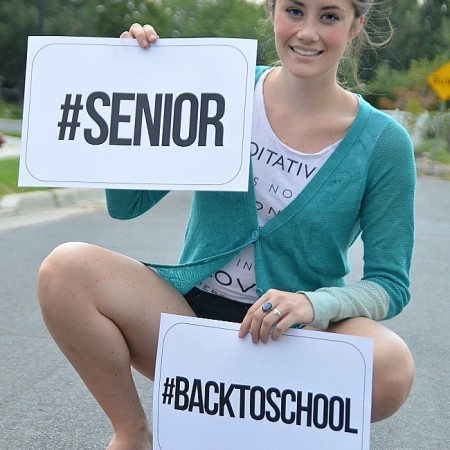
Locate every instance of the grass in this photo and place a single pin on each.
(10, 110)
(17, 134)
(9, 170)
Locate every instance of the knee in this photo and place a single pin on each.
(57, 274)
(394, 371)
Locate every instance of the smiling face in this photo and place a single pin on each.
(312, 35)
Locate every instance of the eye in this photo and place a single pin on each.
(330, 17)
(293, 11)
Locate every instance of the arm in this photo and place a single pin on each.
(128, 204)
(387, 224)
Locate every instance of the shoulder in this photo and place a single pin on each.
(389, 148)
(381, 127)
(259, 71)
(377, 118)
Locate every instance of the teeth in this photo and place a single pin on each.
(305, 52)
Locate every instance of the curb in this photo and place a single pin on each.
(14, 204)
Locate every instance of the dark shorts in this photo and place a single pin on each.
(210, 306)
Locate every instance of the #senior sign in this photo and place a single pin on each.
(102, 112)
(309, 390)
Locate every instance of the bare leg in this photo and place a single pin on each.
(393, 370)
(103, 310)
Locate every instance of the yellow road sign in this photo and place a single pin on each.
(439, 81)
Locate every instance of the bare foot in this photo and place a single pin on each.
(141, 442)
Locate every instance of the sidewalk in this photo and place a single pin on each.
(46, 199)
(10, 148)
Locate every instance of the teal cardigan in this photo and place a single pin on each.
(366, 186)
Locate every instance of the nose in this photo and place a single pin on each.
(308, 30)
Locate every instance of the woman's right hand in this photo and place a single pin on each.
(145, 34)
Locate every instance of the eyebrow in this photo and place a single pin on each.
(325, 8)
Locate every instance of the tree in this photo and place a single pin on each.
(20, 19)
(419, 32)
(115, 16)
(188, 18)
(209, 18)
(404, 43)
(433, 14)
(17, 21)
(212, 18)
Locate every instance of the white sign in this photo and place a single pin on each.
(103, 112)
(308, 390)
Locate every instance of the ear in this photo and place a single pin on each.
(356, 27)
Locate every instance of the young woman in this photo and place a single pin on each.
(266, 260)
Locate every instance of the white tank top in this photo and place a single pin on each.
(280, 173)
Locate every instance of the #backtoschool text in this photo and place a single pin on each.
(258, 403)
(182, 120)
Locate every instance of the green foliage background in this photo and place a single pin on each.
(393, 77)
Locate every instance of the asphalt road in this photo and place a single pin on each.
(44, 405)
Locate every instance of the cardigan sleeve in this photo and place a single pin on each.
(387, 232)
(128, 204)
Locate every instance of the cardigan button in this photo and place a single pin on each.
(259, 292)
(255, 234)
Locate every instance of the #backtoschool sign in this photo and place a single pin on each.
(214, 390)
(105, 113)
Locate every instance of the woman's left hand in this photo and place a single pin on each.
(286, 309)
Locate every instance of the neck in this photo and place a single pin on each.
(306, 94)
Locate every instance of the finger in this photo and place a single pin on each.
(152, 35)
(268, 324)
(136, 31)
(261, 323)
(281, 327)
(245, 325)
(145, 35)
(246, 322)
(126, 35)
(252, 324)
(255, 329)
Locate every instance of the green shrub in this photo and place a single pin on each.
(10, 110)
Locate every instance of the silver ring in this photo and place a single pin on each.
(277, 312)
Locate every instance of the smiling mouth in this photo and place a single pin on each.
(306, 52)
